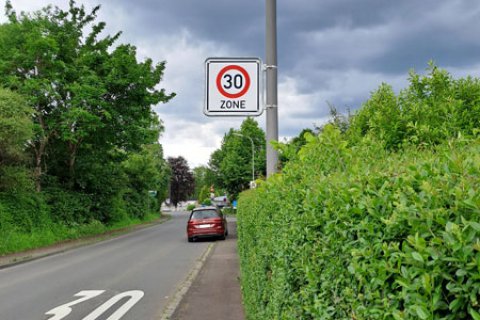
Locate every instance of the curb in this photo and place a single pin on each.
(173, 303)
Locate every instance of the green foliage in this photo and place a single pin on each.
(207, 202)
(232, 163)
(16, 127)
(87, 103)
(68, 207)
(23, 212)
(190, 207)
(229, 211)
(79, 83)
(381, 222)
(182, 183)
(146, 170)
(204, 178)
(385, 235)
(289, 150)
(204, 193)
(431, 110)
(15, 178)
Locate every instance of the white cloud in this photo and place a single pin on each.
(188, 132)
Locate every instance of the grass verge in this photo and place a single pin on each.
(13, 241)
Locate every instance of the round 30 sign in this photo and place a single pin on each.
(232, 87)
(233, 81)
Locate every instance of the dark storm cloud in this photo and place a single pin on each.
(391, 36)
(235, 23)
(336, 51)
(383, 37)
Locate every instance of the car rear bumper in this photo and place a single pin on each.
(201, 233)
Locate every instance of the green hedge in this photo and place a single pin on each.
(357, 232)
(30, 220)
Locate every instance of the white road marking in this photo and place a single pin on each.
(135, 296)
(64, 310)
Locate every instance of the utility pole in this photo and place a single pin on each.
(271, 99)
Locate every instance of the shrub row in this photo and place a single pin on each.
(358, 232)
(29, 220)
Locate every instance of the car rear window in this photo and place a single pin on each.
(204, 214)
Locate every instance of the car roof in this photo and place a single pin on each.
(205, 208)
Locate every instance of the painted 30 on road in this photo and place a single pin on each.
(129, 299)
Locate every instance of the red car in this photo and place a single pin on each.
(206, 222)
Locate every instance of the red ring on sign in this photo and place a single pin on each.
(233, 95)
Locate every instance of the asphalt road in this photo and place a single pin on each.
(130, 277)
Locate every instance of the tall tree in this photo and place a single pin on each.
(84, 90)
(146, 171)
(182, 184)
(232, 163)
(204, 178)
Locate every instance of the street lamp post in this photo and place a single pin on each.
(253, 152)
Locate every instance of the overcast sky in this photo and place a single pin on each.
(329, 52)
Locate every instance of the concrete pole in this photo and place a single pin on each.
(271, 99)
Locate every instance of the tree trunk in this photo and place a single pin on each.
(39, 152)
(72, 148)
(39, 148)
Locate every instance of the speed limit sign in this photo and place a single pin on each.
(232, 87)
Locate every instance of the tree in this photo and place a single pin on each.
(182, 183)
(204, 178)
(147, 171)
(86, 93)
(232, 163)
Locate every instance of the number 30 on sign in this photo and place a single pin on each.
(232, 87)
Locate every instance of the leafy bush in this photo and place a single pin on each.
(204, 193)
(381, 236)
(431, 110)
(70, 208)
(15, 178)
(23, 212)
(229, 211)
(207, 202)
(190, 207)
(381, 222)
(16, 127)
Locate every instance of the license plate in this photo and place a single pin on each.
(202, 226)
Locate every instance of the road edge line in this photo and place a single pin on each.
(173, 303)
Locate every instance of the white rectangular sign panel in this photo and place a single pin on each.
(232, 87)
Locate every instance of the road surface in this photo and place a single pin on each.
(127, 278)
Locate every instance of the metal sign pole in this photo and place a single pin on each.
(271, 99)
